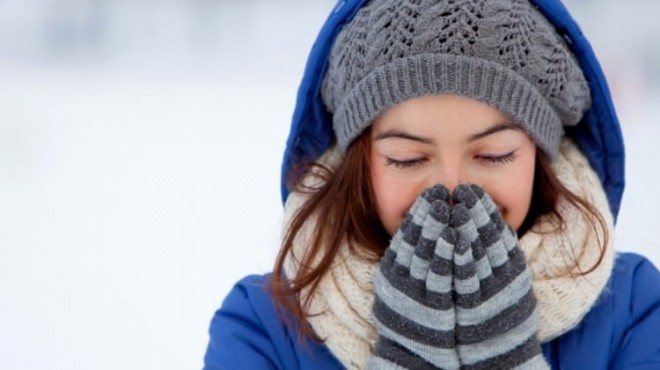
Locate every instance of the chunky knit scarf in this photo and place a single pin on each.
(340, 309)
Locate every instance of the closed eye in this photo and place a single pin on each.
(497, 159)
(405, 163)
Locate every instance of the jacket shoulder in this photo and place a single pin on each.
(238, 334)
(637, 281)
(247, 332)
(619, 331)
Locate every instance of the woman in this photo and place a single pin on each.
(459, 214)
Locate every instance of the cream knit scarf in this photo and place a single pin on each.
(341, 306)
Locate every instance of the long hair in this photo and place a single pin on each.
(345, 210)
(546, 193)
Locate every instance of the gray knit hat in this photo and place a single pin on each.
(500, 52)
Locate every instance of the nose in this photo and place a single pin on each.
(449, 175)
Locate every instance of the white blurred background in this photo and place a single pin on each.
(140, 145)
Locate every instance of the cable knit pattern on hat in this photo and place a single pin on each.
(341, 308)
(501, 52)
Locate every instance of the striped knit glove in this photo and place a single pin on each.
(414, 308)
(496, 315)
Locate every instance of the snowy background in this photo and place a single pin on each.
(140, 144)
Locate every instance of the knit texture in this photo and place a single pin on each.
(414, 308)
(496, 310)
(453, 290)
(501, 52)
(342, 306)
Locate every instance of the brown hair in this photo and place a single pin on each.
(546, 194)
(344, 205)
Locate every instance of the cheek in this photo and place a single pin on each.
(514, 197)
(393, 197)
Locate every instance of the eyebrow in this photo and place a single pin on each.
(399, 134)
(498, 127)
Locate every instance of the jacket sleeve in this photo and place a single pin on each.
(239, 337)
(640, 347)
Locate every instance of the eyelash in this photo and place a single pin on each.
(488, 159)
(408, 163)
(498, 159)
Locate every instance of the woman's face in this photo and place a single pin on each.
(449, 139)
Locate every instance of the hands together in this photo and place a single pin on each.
(453, 290)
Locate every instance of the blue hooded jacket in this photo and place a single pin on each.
(619, 332)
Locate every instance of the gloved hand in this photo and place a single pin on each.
(453, 289)
(414, 308)
(496, 315)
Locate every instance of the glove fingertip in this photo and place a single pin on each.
(440, 211)
(458, 194)
(489, 234)
(436, 192)
(459, 215)
(463, 193)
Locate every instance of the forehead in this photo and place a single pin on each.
(441, 115)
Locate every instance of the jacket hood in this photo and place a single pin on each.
(598, 135)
